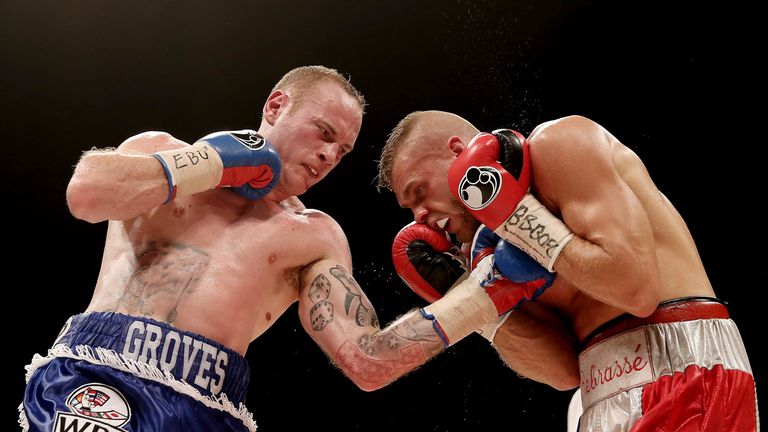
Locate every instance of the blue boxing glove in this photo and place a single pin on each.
(515, 278)
(242, 160)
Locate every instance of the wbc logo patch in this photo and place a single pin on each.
(249, 139)
(479, 187)
(95, 407)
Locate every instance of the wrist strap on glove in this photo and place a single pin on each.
(190, 169)
(465, 308)
(536, 231)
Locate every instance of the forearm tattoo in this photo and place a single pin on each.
(164, 274)
(357, 362)
(384, 355)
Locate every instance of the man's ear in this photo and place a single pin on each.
(276, 103)
(456, 145)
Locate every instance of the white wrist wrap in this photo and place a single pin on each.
(536, 231)
(488, 331)
(191, 169)
(466, 307)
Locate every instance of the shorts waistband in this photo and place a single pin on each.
(675, 310)
(206, 365)
(630, 352)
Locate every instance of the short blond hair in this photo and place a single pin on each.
(394, 142)
(436, 124)
(302, 78)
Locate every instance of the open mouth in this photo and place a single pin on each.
(312, 172)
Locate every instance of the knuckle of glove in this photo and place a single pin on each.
(425, 260)
(512, 151)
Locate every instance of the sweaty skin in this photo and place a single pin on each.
(225, 267)
(631, 248)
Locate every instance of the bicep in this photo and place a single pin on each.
(612, 258)
(576, 171)
(332, 308)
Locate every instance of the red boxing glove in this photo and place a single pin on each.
(492, 175)
(426, 260)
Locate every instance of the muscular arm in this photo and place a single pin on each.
(123, 183)
(612, 256)
(336, 313)
(339, 317)
(536, 344)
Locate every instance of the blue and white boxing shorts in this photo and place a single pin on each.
(109, 372)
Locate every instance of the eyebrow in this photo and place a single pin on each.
(327, 126)
(347, 147)
(406, 193)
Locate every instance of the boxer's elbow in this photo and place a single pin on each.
(82, 199)
(567, 381)
(642, 303)
(564, 376)
(94, 192)
(643, 291)
(369, 379)
(367, 385)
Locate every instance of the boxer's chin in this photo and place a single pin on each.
(467, 231)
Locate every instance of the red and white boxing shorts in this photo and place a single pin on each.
(683, 368)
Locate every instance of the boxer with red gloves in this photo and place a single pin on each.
(658, 350)
(492, 178)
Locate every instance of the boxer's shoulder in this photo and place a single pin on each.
(322, 222)
(562, 148)
(327, 237)
(558, 130)
(567, 134)
(314, 227)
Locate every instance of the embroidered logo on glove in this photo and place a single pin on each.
(250, 139)
(479, 187)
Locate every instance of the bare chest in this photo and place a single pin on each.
(202, 263)
(258, 238)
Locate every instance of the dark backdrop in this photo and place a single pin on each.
(672, 82)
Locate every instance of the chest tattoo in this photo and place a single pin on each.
(164, 273)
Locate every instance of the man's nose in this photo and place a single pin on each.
(328, 153)
(420, 214)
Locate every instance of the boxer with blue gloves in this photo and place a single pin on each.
(134, 370)
(200, 259)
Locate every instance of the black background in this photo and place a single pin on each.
(679, 84)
